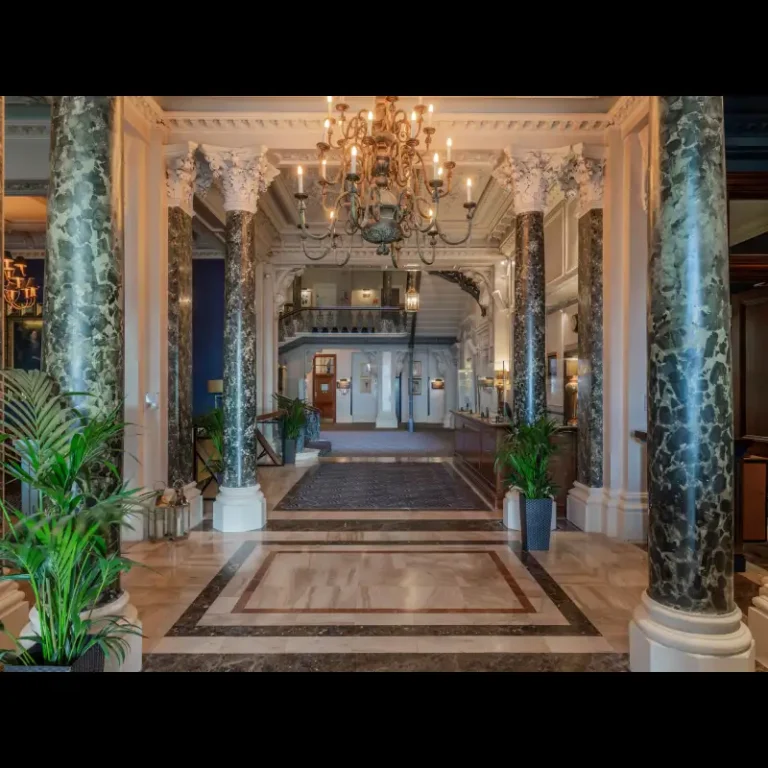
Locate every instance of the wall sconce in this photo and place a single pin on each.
(344, 385)
(438, 384)
(366, 293)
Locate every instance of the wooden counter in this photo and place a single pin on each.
(476, 443)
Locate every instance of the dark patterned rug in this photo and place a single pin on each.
(381, 486)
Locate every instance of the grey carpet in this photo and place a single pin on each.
(381, 486)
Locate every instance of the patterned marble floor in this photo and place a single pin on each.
(388, 591)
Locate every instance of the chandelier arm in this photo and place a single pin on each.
(316, 258)
(463, 240)
(421, 255)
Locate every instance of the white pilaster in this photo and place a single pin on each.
(662, 639)
(625, 268)
(237, 510)
(584, 507)
(386, 417)
(757, 619)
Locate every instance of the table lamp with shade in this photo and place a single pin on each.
(216, 388)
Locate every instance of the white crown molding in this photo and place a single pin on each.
(32, 130)
(149, 109)
(627, 110)
(298, 122)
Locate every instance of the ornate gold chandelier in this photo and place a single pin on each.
(384, 189)
(20, 291)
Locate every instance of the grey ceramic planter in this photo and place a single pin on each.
(92, 661)
(536, 523)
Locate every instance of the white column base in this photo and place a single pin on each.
(626, 515)
(757, 619)
(121, 608)
(195, 499)
(308, 456)
(239, 509)
(663, 639)
(512, 511)
(386, 420)
(14, 613)
(584, 507)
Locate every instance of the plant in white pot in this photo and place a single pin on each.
(525, 454)
(64, 548)
(294, 420)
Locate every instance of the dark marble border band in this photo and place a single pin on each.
(187, 625)
(387, 662)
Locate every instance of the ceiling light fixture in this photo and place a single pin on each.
(385, 188)
(20, 290)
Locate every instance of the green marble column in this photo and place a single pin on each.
(180, 180)
(83, 339)
(690, 398)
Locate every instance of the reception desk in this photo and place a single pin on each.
(476, 443)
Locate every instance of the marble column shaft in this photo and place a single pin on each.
(589, 175)
(690, 408)
(529, 352)
(83, 340)
(240, 402)
(180, 178)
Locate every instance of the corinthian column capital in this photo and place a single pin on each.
(529, 175)
(589, 173)
(180, 174)
(243, 173)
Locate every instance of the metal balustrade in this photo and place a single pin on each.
(342, 320)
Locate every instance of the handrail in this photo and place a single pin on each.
(372, 307)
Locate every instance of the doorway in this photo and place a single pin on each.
(324, 386)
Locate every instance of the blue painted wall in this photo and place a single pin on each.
(207, 329)
(36, 269)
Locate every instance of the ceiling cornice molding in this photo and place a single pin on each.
(298, 122)
(625, 109)
(26, 187)
(31, 130)
(149, 109)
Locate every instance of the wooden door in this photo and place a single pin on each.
(325, 386)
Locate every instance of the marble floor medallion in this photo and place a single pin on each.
(368, 486)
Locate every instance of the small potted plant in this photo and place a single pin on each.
(66, 547)
(213, 425)
(294, 419)
(526, 454)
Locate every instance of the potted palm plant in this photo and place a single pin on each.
(213, 425)
(294, 419)
(64, 548)
(526, 453)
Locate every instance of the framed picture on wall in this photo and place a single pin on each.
(417, 369)
(416, 386)
(365, 386)
(552, 366)
(24, 342)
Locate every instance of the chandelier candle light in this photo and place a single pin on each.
(383, 189)
(20, 290)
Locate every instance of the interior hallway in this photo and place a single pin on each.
(366, 440)
(430, 590)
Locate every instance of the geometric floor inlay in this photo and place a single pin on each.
(380, 486)
(363, 581)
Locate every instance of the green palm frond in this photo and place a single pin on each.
(525, 455)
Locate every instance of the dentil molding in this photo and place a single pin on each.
(244, 173)
(180, 173)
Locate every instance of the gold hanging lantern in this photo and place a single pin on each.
(412, 298)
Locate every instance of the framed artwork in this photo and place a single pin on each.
(552, 366)
(306, 297)
(415, 386)
(417, 369)
(438, 384)
(365, 386)
(24, 343)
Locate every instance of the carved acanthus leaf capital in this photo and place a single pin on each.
(590, 177)
(529, 176)
(180, 174)
(243, 173)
